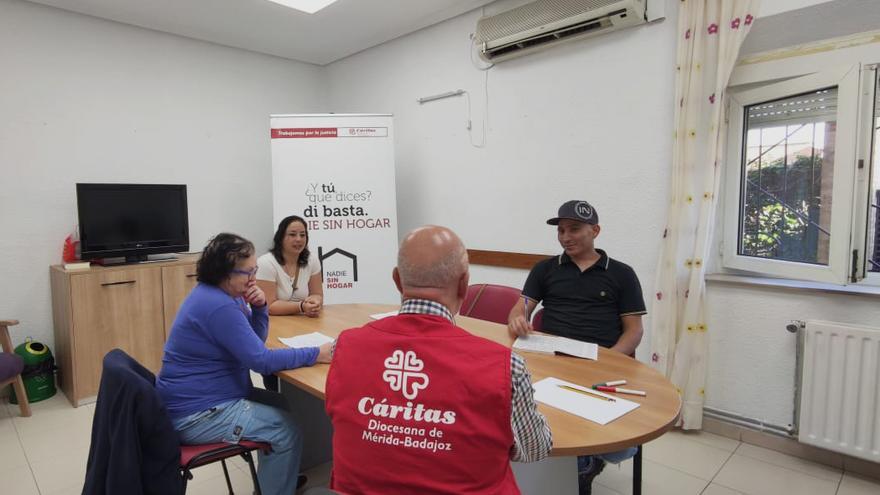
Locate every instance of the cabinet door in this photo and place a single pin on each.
(177, 282)
(116, 308)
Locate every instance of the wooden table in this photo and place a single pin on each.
(572, 435)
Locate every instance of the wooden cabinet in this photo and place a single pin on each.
(177, 282)
(128, 307)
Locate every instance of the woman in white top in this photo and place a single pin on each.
(289, 274)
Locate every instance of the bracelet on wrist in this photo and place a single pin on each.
(301, 308)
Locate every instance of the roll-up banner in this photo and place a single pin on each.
(337, 172)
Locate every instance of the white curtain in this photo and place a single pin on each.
(711, 32)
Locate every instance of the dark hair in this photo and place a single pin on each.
(278, 241)
(220, 256)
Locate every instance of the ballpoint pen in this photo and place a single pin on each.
(612, 383)
(619, 390)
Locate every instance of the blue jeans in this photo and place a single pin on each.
(584, 461)
(245, 419)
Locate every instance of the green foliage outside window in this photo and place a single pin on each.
(781, 210)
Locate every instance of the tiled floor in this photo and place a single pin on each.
(702, 463)
(46, 455)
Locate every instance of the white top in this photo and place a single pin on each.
(269, 270)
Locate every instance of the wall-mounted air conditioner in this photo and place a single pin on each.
(545, 23)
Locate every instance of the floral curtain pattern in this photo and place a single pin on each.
(711, 33)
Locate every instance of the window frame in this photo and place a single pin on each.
(863, 195)
(847, 79)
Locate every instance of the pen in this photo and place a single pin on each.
(619, 390)
(586, 392)
(526, 308)
(612, 383)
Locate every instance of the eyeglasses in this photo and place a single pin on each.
(250, 273)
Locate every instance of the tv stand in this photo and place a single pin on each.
(137, 259)
(160, 257)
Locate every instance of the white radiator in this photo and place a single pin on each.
(840, 394)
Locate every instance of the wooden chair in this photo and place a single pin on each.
(11, 366)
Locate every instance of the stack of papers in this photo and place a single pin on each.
(314, 339)
(379, 316)
(548, 344)
(586, 403)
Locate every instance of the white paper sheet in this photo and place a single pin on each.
(549, 344)
(594, 409)
(379, 316)
(314, 339)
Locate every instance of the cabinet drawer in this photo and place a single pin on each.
(116, 308)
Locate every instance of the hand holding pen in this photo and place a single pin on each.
(518, 323)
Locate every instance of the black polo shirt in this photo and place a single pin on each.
(585, 305)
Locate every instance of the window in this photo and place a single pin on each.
(788, 177)
(802, 200)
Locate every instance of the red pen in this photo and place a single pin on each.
(612, 383)
(619, 390)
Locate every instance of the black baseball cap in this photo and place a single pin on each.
(576, 210)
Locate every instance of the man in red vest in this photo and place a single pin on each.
(418, 404)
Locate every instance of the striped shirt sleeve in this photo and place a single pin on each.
(532, 439)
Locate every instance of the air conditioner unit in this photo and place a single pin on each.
(545, 23)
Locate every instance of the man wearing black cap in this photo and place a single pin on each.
(587, 296)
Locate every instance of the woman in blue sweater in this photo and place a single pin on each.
(217, 337)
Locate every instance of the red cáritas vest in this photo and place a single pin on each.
(419, 405)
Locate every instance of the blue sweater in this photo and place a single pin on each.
(214, 341)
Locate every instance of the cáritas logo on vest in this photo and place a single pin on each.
(403, 373)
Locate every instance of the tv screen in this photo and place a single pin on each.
(131, 220)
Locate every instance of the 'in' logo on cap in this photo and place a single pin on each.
(583, 210)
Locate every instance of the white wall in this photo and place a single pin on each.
(752, 356)
(589, 120)
(87, 100)
(773, 7)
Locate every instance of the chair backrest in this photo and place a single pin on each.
(538, 320)
(131, 434)
(470, 298)
(10, 363)
(490, 302)
(11, 366)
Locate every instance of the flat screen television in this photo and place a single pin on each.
(131, 220)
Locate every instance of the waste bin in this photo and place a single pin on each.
(39, 371)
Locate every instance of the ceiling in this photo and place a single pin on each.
(342, 29)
